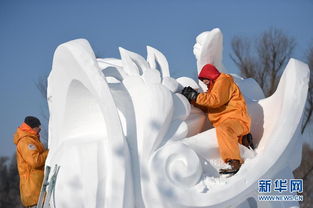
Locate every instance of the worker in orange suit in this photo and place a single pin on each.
(227, 111)
(31, 156)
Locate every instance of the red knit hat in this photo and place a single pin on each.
(209, 71)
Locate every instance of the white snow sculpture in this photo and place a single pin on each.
(206, 43)
(125, 137)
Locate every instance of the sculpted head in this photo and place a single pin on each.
(200, 43)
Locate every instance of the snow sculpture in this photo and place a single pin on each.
(125, 137)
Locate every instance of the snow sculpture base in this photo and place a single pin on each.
(125, 137)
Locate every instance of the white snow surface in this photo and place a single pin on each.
(125, 137)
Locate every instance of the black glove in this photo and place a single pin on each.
(190, 93)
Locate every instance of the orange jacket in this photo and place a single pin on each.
(223, 100)
(31, 156)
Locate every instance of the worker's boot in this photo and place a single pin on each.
(234, 167)
(247, 141)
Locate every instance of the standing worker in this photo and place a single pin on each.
(227, 111)
(31, 156)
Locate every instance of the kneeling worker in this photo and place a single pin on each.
(227, 111)
(31, 156)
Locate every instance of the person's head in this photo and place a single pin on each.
(208, 73)
(33, 122)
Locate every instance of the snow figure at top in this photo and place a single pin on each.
(206, 43)
(125, 136)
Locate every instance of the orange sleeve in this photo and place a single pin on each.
(31, 155)
(219, 95)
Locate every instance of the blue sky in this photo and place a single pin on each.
(31, 30)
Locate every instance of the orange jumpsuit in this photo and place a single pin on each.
(227, 111)
(31, 156)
